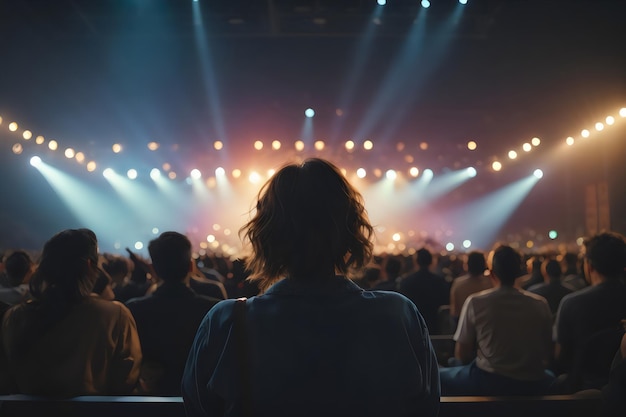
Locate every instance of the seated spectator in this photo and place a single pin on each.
(601, 306)
(510, 331)
(168, 318)
(474, 281)
(427, 290)
(65, 342)
(314, 344)
(19, 268)
(552, 289)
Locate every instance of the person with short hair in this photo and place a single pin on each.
(474, 281)
(552, 289)
(19, 268)
(504, 337)
(65, 342)
(305, 346)
(168, 318)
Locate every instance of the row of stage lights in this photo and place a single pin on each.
(350, 146)
(425, 3)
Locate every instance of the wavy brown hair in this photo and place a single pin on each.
(309, 223)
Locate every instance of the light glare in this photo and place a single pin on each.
(131, 174)
(585, 133)
(497, 166)
(69, 153)
(309, 112)
(391, 174)
(195, 174)
(569, 141)
(53, 145)
(471, 145)
(35, 161)
(599, 127)
(538, 173)
(535, 141)
(27, 134)
(155, 174)
(117, 148)
(527, 147)
(512, 154)
(361, 173)
(368, 145)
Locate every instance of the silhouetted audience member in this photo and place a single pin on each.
(19, 267)
(118, 268)
(511, 332)
(392, 268)
(599, 307)
(168, 318)
(534, 276)
(206, 286)
(65, 342)
(474, 281)
(614, 393)
(139, 283)
(573, 275)
(427, 290)
(305, 346)
(237, 284)
(552, 289)
(103, 287)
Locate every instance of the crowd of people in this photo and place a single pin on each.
(311, 321)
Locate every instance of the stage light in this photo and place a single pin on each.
(276, 145)
(428, 173)
(535, 141)
(381, 2)
(220, 172)
(91, 166)
(17, 148)
(585, 133)
(361, 173)
(138, 245)
(391, 174)
(527, 147)
(512, 154)
(622, 112)
(319, 145)
(467, 243)
(236, 173)
(27, 134)
(153, 146)
(471, 172)
(378, 173)
(552, 234)
(368, 145)
(218, 145)
(117, 148)
(409, 159)
(471, 145)
(39, 140)
(166, 167)
(414, 172)
(599, 127)
(210, 238)
(108, 173)
(425, 4)
(155, 174)
(35, 161)
(13, 126)
(309, 112)
(530, 244)
(349, 145)
(131, 174)
(270, 172)
(258, 145)
(299, 145)
(538, 173)
(610, 120)
(171, 175)
(463, 1)
(155, 230)
(69, 153)
(424, 146)
(53, 145)
(254, 177)
(569, 140)
(449, 246)
(496, 166)
(195, 174)
(396, 237)
(80, 157)
(400, 146)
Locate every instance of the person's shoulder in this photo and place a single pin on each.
(106, 307)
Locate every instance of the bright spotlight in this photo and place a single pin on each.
(155, 230)
(91, 166)
(449, 246)
(138, 245)
(471, 172)
(414, 171)
(131, 174)
(254, 178)
(195, 174)
(622, 112)
(17, 148)
(569, 141)
(117, 148)
(610, 120)
(108, 173)
(349, 145)
(309, 112)
(27, 134)
(599, 126)
(155, 173)
(258, 145)
(527, 147)
(13, 126)
(391, 174)
(368, 145)
(467, 243)
(361, 173)
(35, 161)
(585, 133)
(319, 145)
(39, 140)
(428, 173)
(496, 166)
(472, 145)
(218, 145)
(396, 237)
(220, 172)
(463, 1)
(236, 173)
(381, 2)
(538, 173)
(512, 154)
(153, 146)
(536, 141)
(53, 145)
(69, 153)
(425, 4)
(552, 234)
(299, 145)
(276, 145)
